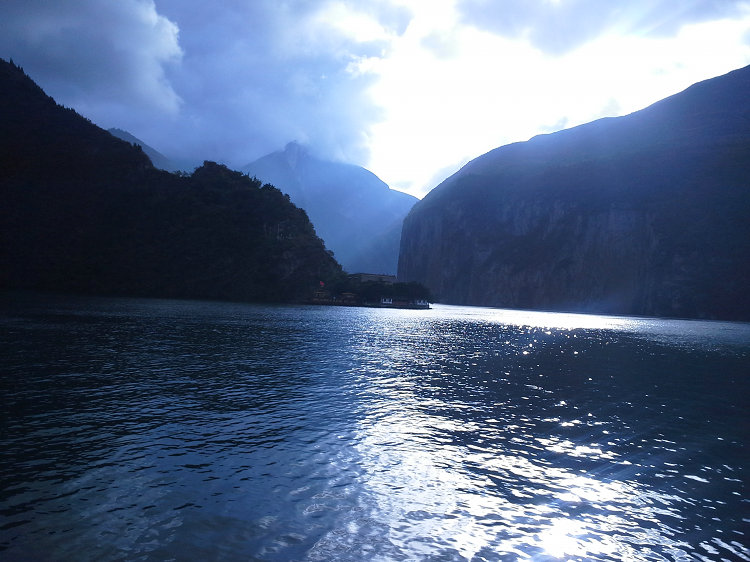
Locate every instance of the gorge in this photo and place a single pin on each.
(645, 214)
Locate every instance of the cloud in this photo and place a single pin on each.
(558, 26)
(94, 55)
(199, 80)
(455, 90)
(443, 44)
(256, 75)
(402, 87)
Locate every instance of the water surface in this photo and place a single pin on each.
(177, 430)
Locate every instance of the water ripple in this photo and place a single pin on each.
(153, 430)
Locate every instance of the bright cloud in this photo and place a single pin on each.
(410, 89)
(99, 57)
(452, 91)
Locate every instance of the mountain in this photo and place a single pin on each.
(86, 212)
(645, 214)
(157, 158)
(357, 215)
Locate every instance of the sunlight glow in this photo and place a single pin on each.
(548, 321)
(451, 92)
(355, 24)
(471, 480)
(560, 539)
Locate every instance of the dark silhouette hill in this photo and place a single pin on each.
(357, 215)
(645, 214)
(86, 212)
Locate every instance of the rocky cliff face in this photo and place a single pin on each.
(645, 214)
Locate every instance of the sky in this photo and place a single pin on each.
(409, 89)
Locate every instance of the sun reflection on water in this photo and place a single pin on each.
(450, 480)
(365, 434)
(561, 538)
(468, 500)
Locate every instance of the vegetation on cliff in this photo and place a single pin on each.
(86, 212)
(354, 290)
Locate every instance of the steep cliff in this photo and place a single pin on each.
(645, 214)
(357, 215)
(85, 212)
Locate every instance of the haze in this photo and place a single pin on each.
(406, 88)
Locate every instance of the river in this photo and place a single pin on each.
(137, 429)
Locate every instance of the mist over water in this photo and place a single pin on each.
(155, 430)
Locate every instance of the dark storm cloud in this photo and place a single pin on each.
(256, 75)
(93, 54)
(228, 81)
(558, 27)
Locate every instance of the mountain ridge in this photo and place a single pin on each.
(86, 212)
(157, 158)
(627, 215)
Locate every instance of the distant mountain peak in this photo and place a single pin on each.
(157, 158)
(294, 145)
(355, 212)
(293, 152)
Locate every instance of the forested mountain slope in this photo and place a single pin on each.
(86, 212)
